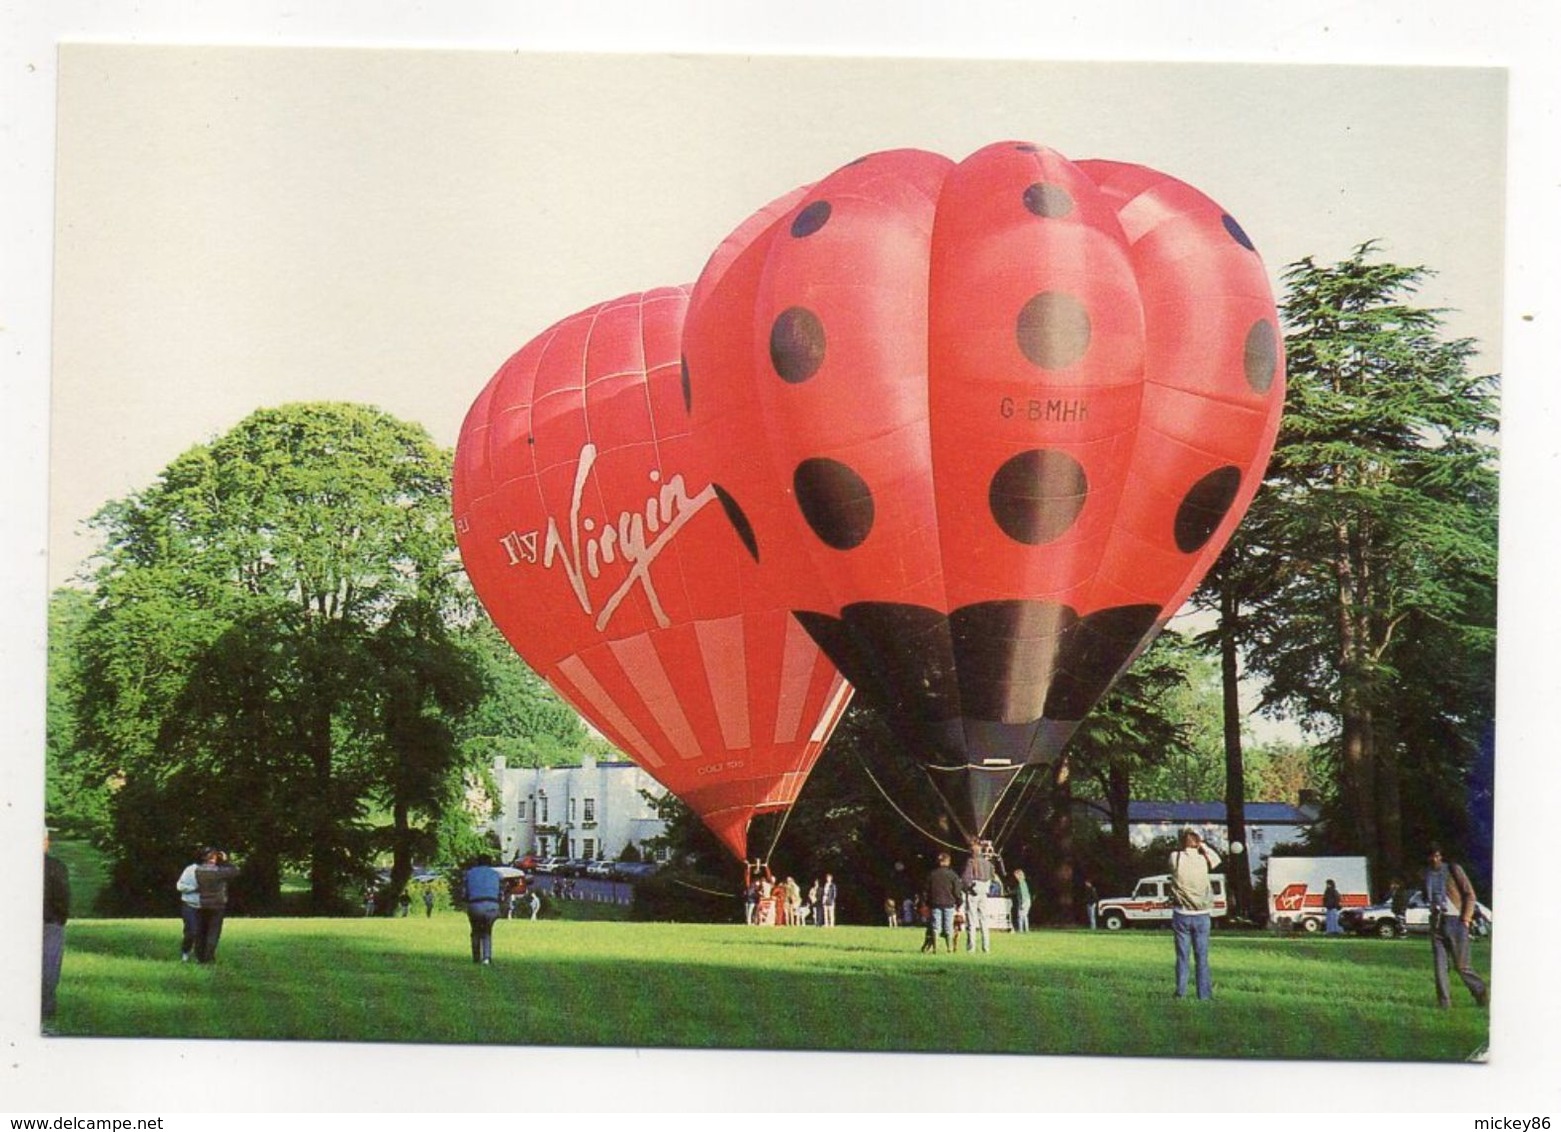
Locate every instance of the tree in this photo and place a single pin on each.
(1378, 523)
(424, 681)
(1281, 772)
(75, 799)
(263, 658)
(518, 716)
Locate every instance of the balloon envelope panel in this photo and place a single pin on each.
(987, 424)
(612, 569)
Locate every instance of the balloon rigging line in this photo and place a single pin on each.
(903, 815)
(698, 888)
(780, 827)
(1018, 807)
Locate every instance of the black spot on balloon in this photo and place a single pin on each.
(811, 219)
(1053, 330)
(1236, 232)
(835, 501)
(1091, 654)
(738, 519)
(797, 344)
(1050, 201)
(1026, 147)
(897, 655)
(1204, 507)
(1260, 357)
(1037, 495)
(688, 390)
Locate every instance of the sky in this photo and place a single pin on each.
(205, 232)
(242, 228)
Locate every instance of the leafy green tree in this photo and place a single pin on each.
(76, 800)
(249, 638)
(1149, 736)
(425, 682)
(1282, 771)
(518, 715)
(1378, 523)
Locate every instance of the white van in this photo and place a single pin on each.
(1151, 903)
(1295, 889)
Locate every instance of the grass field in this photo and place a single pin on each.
(688, 985)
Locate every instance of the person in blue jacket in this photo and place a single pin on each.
(481, 887)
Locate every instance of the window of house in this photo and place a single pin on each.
(542, 808)
(571, 809)
(590, 809)
(520, 810)
(589, 845)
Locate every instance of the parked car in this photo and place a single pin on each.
(634, 870)
(552, 865)
(1378, 919)
(1151, 903)
(599, 870)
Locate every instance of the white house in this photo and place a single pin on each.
(1268, 824)
(588, 812)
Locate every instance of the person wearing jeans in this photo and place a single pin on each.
(942, 895)
(1191, 930)
(1451, 897)
(976, 881)
(1192, 902)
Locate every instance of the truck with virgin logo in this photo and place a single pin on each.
(1296, 886)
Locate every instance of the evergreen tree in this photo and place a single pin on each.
(1377, 525)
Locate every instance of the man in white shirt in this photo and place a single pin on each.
(1192, 901)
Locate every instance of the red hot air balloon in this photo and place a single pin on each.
(989, 423)
(615, 574)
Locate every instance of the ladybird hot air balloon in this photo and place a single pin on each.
(989, 423)
(617, 576)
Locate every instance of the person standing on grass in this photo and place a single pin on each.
(428, 901)
(1021, 902)
(1451, 897)
(1091, 898)
(211, 882)
(977, 879)
(189, 910)
(942, 896)
(1332, 902)
(1192, 902)
(827, 896)
(56, 912)
(481, 887)
(756, 874)
(536, 903)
